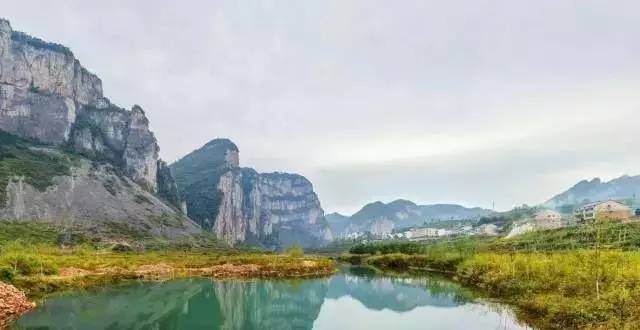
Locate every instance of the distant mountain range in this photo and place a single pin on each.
(379, 218)
(624, 187)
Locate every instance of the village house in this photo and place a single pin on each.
(606, 210)
(543, 220)
(422, 233)
(547, 219)
(488, 229)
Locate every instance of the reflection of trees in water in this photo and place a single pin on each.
(397, 293)
(237, 304)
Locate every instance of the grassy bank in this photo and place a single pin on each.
(592, 282)
(32, 259)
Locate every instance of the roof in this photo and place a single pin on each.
(594, 204)
(547, 212)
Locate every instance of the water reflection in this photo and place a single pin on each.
(262, 304)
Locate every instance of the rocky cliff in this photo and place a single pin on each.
(70, 156)
(242, 205)
(45, 94)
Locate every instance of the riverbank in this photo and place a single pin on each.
(565, 289)
(37, 259)
(43, 270)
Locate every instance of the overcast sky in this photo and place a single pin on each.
(465, 101)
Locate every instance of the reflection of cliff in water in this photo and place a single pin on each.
(270, 304)
(186, 304)
(135, 306)
(399, 294)
(235, 304)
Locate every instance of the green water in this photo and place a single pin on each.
(351, 299)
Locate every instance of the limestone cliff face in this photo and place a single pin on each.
(242, 205)
(55, 110)
(275, 209)
(45, 94)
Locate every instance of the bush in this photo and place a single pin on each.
(388, 248)
(295, 251)
(25, 264)
(121, 247)
(6, 274)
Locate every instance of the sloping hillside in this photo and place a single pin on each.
(622, 188)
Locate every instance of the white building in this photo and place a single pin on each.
(488, 229)
(547, 219)
(417, 233)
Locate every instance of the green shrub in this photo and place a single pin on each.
(295, 251)
(6, 274)
(388, 248)
(26, 264)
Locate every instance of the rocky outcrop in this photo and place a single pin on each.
(275, 209)
(13, 302)
(241, 205)
(55, 110)
(45, 94)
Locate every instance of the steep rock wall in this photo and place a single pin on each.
(274, 210)
(45, 94)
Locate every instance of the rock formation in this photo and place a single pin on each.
(13, 303)
(242, 205)
(45, 94)
(76, 158)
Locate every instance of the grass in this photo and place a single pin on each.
(32, 259)
(42, 269)
(585, 277)
(612, 235)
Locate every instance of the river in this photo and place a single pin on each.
(353, 298)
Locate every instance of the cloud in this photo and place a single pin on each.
(463, 101)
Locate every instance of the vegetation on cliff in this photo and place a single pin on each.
(21, 158)
(197, 176)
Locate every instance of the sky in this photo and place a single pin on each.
(474, 102)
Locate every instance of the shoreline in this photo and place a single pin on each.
(32, 289)
(544, 290)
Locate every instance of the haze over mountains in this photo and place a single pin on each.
(380, 218)
(74, 157)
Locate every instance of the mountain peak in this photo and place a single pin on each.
(623, 187)
(402, 203)
(222, 142)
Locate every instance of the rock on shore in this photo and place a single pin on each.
(13, 303)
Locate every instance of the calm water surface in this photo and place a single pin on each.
(351, 299)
